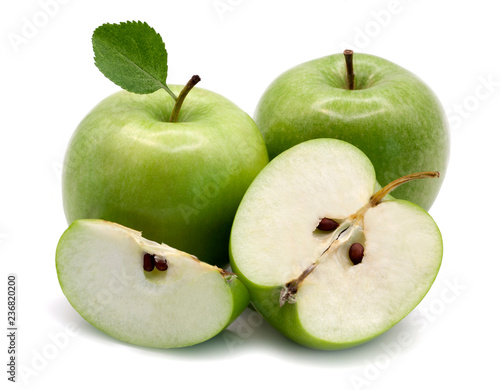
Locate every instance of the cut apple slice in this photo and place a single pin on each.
(329, 261)
(142, 292)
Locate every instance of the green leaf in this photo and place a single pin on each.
(132, 55)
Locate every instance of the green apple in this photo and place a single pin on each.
(142, 292)
(327, 261)
(177, 182)
(391, 115)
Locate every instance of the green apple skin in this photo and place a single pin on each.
(286, 320)
(391, 115)
(179, 183)
(241, 297)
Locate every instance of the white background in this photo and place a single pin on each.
(49, 82)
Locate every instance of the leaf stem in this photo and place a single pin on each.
(180, 99)
(166, 88)
(348, 54)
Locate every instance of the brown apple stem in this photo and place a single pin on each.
(348, 54)
(379, 195)
(180, 99)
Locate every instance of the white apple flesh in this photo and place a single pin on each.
(101, 269)
(302, 279)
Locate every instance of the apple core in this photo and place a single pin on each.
(350, 234)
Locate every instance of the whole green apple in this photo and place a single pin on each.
(178, 182)
(390, 114)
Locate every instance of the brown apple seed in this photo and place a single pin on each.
(148, 262)
(356, 252)
(161, 263)
(327, 225)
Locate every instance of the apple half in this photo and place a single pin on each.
(141, 292)
(329, 261)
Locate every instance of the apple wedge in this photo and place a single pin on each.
(328, 260)
(142, 292)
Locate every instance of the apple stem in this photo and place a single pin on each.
(379, 195)
(348, 54)
(180, 99)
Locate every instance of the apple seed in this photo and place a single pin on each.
(327, 225)
(356, 252)
(148, 262)
(161, 263)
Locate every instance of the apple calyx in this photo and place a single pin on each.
(347, 231)
(348, 54)
(228, 276)
(174, 116)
